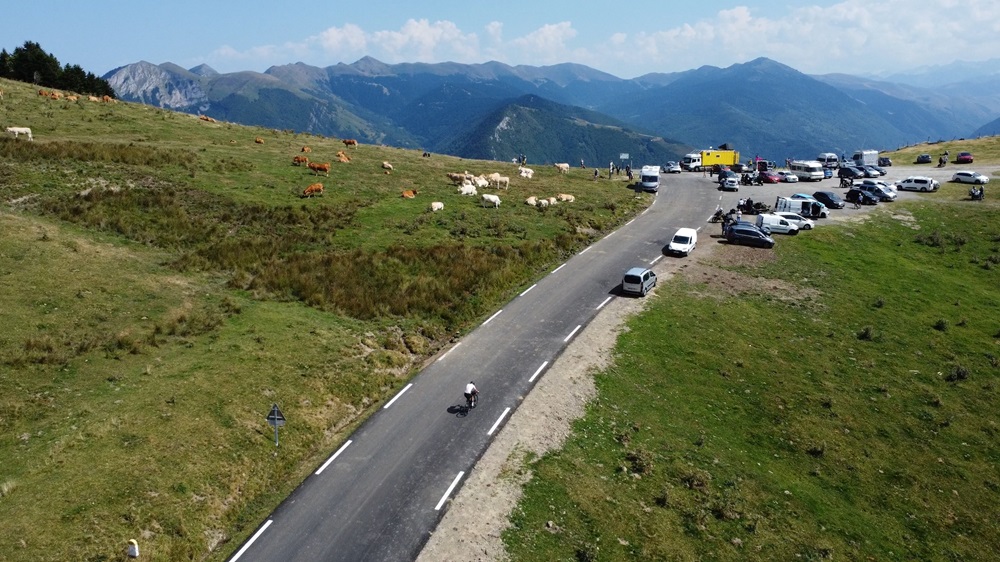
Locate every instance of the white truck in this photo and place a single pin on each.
(691, 162)
(865, 158)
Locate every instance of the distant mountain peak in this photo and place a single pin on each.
(372, 66)
(204, 70)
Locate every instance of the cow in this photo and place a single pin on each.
(467, 190)
(533, 201)
(490, 199)
(455, 177)
(317, 168)
(563, 167)
(20, 131)
(350, 142)
(314, 189)
(565, 197)
(386, 166)
(106, 98)
(300, 160)
(503, 180)
(258, 140)
(93, 98)
(525, 172)
(43, 93)
(306, 149)
(543, 202)
(68, 98)
(343, 157)
(437, 206)
(481, 181)
(409, 194)
(553, 200)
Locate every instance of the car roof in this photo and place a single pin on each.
(686, 231)
(636, 271)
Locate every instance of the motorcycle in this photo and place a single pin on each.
(718, 216)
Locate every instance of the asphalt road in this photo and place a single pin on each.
(380, 495)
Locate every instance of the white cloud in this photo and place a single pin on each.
(421, 40)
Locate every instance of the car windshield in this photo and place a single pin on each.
(682, 239)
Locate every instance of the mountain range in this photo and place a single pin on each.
(570, 112)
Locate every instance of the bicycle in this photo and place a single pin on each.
(471, 400)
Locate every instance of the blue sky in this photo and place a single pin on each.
(626, 39)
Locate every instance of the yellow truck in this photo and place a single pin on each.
(710, 158)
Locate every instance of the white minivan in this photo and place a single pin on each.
(776, 224)
(638, 280)
(683, 242)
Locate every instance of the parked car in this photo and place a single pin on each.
(924, 159)
(798, 220)
(877, 191)
(881, 171)
(918, 183)
(830, 199)
(769, 177)
(788, 177)
(879, 183)
(638, 280)
(729, 184)
(671, 168)
(870, 172)
(884, 161)
(803, 196)
(851, 173)
(964, 158)
(747, 234)
(967, 176)
(683, 242)
(740, 168)
(856, 195)
(827, 173)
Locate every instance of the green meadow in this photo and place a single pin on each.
(164, 284)
(835, 401)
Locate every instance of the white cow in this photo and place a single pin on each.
(525, 172)
(437, 206)
(20, 131)
(533, 201)
(467, 190)
(542, 203)
(491, 199)
(503, 180)
(481, 181)
(562, 167)
(565, 197)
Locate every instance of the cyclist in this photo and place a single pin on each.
(471, 394)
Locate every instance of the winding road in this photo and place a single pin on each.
(380, 495)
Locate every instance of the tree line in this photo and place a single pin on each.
(30, 63)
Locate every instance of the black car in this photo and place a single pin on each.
(830, 199)
(856, 195)
(924, 159)
(851, 173)
(748, 235)
(884, 161)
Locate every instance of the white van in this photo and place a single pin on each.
(649, 178)
(683, 242)
(828, 160)
(805, 207)
(776, 224)
(638, 280)
(807, 170)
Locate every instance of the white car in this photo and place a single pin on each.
(683, 242)
(788, 177)
(672, 168)
(967, 176)
(918, 183)
(798, 220)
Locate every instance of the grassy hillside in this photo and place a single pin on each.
(164, 284)
(834, 399)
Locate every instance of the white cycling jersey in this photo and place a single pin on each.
(471, 389)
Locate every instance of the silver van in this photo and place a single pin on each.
(638, 280)
(776, 224)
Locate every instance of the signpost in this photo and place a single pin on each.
(276, 419)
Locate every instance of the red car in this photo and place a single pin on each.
(770, 177)
(964, 158)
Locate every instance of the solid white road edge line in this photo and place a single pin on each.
(444, 498)
(558, 268)
(539, 370)
(500, 419)
(398, 394)
(495, 314)
(528, 289)
(449, 351)
(606, 301)
(656, 260)
(333, 457)
(571, 334)
(584, 251)
(250, 542)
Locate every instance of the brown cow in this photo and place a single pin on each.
(314, 189)
(258, 140)
(317, 168)
(409, 194)
(350, 142)
(300, 160)
(306, 149)
(343, 157)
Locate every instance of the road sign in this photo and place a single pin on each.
(276, 418)
(623, 156)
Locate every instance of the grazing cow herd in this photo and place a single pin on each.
(468, 184)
